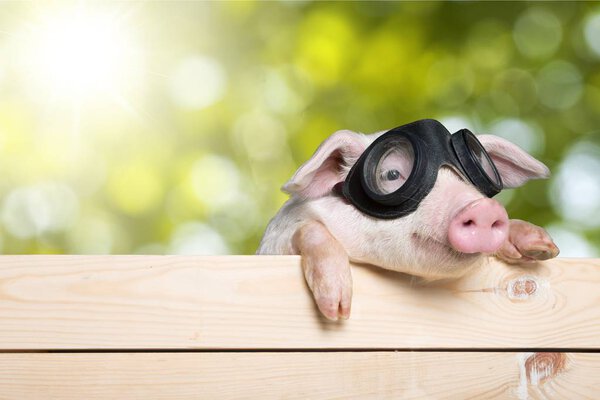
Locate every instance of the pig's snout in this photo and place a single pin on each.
(481, 227)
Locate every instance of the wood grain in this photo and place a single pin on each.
(344, 375)
(262, 302)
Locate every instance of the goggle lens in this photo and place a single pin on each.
(393, 167)
(483, 159)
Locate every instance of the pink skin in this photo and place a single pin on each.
(454, 227)
(481, 227)
(326, 269)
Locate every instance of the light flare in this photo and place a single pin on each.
(80, 53)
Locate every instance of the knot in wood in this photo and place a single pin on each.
(522, 287)
(542, 366)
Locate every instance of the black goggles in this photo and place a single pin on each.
(397, 171)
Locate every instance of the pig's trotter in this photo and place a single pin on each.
(526, 243)
(326, 269)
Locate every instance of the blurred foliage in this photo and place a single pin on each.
(183, 150)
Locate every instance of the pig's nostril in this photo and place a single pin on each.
(498, 224)
(468, 223)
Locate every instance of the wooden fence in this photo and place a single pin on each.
(175, 327)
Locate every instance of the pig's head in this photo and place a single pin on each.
(452, 228)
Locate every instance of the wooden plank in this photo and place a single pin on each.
(344, 375)
(262, 302)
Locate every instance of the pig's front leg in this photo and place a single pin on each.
(526, 243)
(326, 269)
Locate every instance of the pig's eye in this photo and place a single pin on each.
(391, 175)
(393, 167)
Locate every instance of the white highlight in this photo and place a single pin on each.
(79, 53)
(198, 82)
(572, 243)
(560, 85)
(35, 210)
(575, 192)
(525, 135)
(216, 182)
(537, 33)
(278, 95)
(522, 389)
(197, 239)
(591, 33)
(457, 122)
(263, 136)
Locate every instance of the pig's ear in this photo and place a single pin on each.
(514, 164)
(329, 165)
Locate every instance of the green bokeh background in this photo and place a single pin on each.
(227, 99)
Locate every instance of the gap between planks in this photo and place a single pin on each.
(324, 350)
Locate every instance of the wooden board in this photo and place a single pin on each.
(344, 375)
(262, 302)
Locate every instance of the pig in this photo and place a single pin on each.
(449, 234)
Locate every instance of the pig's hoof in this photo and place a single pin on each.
(539, 253)
(334, 302)
(527, 243)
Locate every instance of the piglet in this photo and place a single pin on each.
(453, 228)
